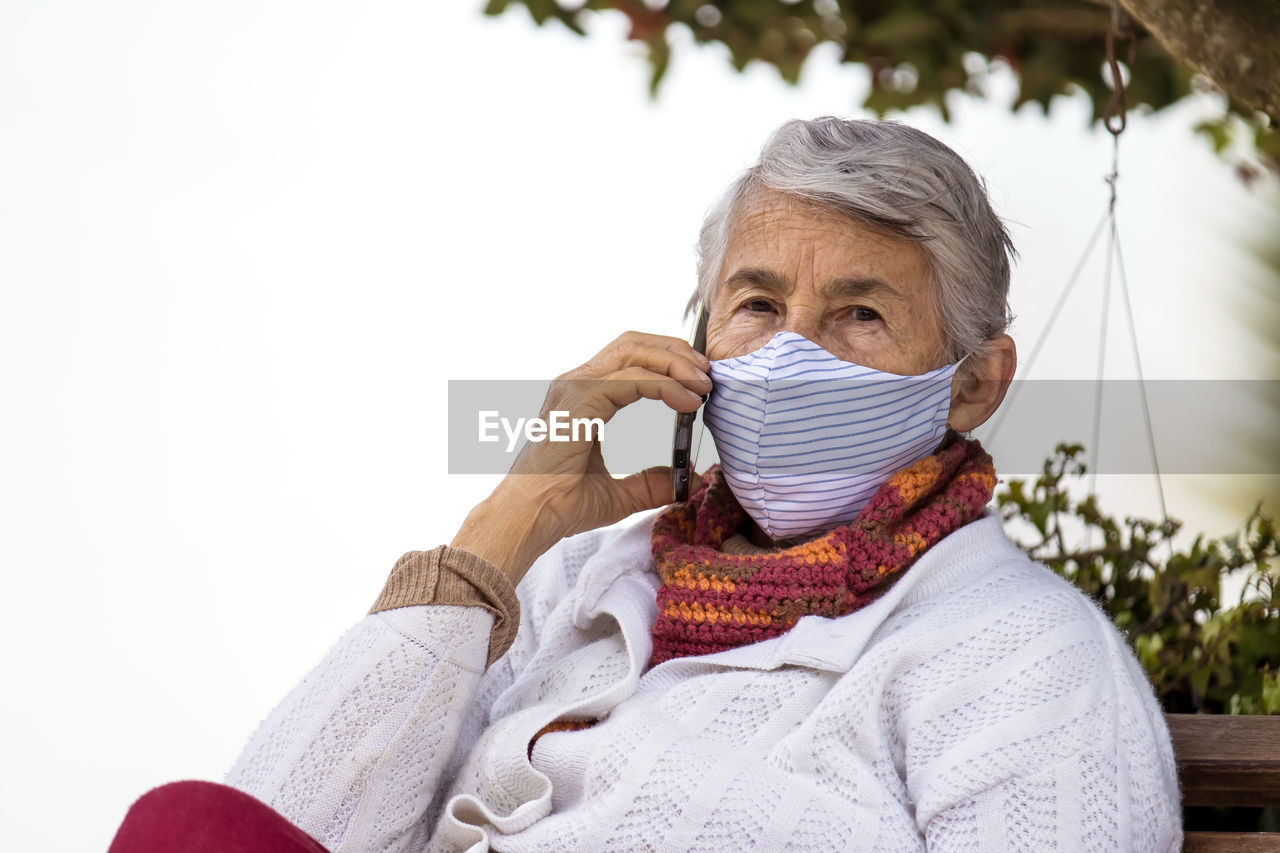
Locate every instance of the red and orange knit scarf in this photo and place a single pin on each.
(710, 601)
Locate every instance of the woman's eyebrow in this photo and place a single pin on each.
(853, 288)
(756, 277)
(846, 287)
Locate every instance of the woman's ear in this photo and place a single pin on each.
(979, 385)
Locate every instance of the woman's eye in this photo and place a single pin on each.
(864, 314)
(761, 305)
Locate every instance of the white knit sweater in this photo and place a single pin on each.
(981, 704)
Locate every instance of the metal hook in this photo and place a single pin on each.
(1114, 114)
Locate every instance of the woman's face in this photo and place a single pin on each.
(862, 296)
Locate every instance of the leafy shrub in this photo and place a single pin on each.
(1201, 655)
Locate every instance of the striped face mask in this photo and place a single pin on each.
(806, 439)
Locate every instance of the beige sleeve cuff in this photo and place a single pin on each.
(447, 575)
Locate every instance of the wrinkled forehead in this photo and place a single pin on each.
(749, 213)
(769, 225)
(898, 225)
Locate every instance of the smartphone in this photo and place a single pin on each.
(682, 444)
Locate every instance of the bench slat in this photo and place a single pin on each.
(1231, 842)
(1227, 760)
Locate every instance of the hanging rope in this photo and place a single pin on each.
(1003, 411)
(1114, 119)
(1142, 383)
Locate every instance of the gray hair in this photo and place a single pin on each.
(899, 181)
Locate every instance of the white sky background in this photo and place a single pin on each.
(244, 245)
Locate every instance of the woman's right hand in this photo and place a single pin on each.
(556, 489)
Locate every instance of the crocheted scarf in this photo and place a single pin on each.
(710, 601)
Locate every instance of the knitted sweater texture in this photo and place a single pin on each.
(980, 704)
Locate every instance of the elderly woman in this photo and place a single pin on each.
(831, 645)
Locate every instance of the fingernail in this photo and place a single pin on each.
(704, 377)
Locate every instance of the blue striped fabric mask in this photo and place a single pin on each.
(806, 439)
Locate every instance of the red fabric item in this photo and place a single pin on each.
(206, 817)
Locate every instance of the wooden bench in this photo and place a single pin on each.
(1226, 760)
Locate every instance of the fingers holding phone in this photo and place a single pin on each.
(682, 444)
(570, 489)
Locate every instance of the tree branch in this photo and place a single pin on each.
(1235, 43)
